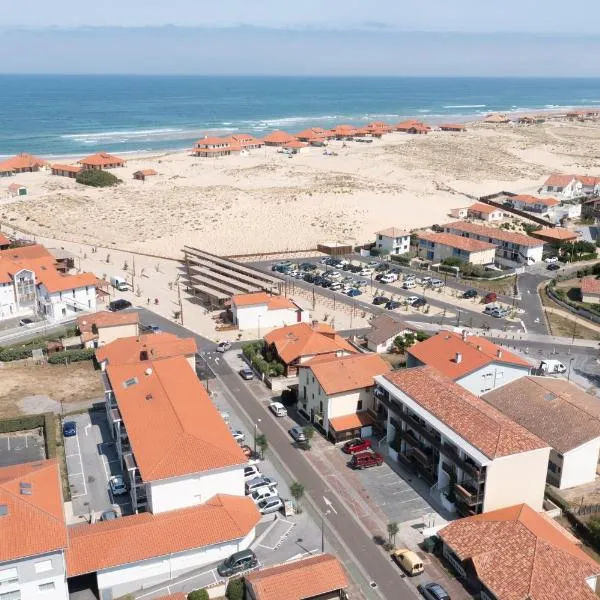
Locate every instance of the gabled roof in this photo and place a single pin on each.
(296, 580)
(532, 200)
(337, 374)
(590, 285)
(456, 241)
(393, 232)
(106, 318)
(494, 233)
(212, 140)
(22, 161)
(384, 327)
(557, 180)
(173, 427)
(587, 180)
(302, 339)
(440, 350)
(519, 554)
(159, 345)
(66, 168)
(555, 410)
(556, 233)
(134, 538)
(33, 523)
(483, 208)
(256, 298)
(344, 130)
(278, 137)
(100, 159)
(472, 419)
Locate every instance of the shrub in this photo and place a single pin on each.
(15, 353)
(530, 227)
(235, 589)
(452, 261)
(71, 356)
(21, 423)
(96, 178)
(198, 595)
(50, 434)
(403, 259)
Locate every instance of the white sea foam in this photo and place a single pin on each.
(465, 106)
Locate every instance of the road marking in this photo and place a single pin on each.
(26, 437)
(181, 581)
(87, 428)
(407, 501)
(8, 443)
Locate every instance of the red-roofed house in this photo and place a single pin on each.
(102, 160)
(5, 242)
(342, 131)
(517, 553)
(567, 187)
(21, 163)
(104, 327)
(485, 212)
(450, 437)
(213, 147)
(473, 362)
(278, 138)
(438, 246)
(413, 126)
(392, 240)
(261, 310)
(590, 290)
(336, 393)
(532, 203)
(70, 171)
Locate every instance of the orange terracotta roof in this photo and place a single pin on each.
(587, 180)
(146, 172)
(556, 180)
(493, 233)
(301, 339)
(346, 373)
(278, 137)
(439, 351)
(173, 427)
(106, 318)
(211, 141)
(456, 126)
(4, 241)
(101, 159)
(135, 538)
(474, 420)
(590, 285)
(67, 168)
(22, 161)
(519, 554)
(227, 148)
(393, 232)
(527, 199)
(456, 241)
(343, 130)
(312, 133)
(557, 233)
(272, 302)
(353, 421)
(296, 580)
(245, 139)
(157, 345)
(34, 522)
(480, 207)
(295, 144)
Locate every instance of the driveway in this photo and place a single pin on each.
(20, 447)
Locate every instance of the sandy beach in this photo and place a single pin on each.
(267, 201)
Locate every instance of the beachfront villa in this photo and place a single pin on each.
(532, 203)
(21, 163)
(438, 246)
(567, 187)
(65, 170)
(392, 240)
(245, 141)
(278, 138)
(101, 160)
(343, 131)
(453, 127)
(484, 212)
(212, 147)
(413, 126)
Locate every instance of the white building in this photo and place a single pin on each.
(475, 363)
(438, 246)
(260, 310)
(33, 534)
(459, 444)
(567, 187)
(392, 241)
(532, 203)
(384, 330)
(30, 283)
(562, 415)
(512, 249)
(336, 393)
(105, 327)
(485, 212)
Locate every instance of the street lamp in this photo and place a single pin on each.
(255, 431)
(327, 512)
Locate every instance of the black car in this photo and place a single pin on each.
(470, 294)
(307, 266)
(433, 591)
(355, 269)
(309, 278)
(419, 302)
(379, 276)
(326, 283)
(380, 300)
(119, 304)
(392, 304)
(553, 267)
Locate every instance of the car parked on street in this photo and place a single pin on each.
(270, 505)
(389, 278)
(237, 562)
(419, 302)
(263, 493)
(409, 561)
(380, 300)
(251, 472)
(433, 591)
(553, 267)
(354, 292)
(393, 305)
(25, 321)
(356, 445)
(409, 284)
(470, 294)
(109, 515)
(259, 482)
(551, 259)
(411, 299)
(69, 428)
(297, 433)
(490, 297)
(223, 346)
(278, 409)
(238, 436)
(117, 485)
(119, 304)
(246, 373)
(436, 284)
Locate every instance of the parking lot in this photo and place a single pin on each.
(91, 460)
(21, 446)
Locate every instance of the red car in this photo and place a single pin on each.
(356, 445)
(364, 460)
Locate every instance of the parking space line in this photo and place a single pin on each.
(8, 443)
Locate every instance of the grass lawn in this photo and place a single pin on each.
(561, 326)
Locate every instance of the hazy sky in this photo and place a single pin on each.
(282, 37)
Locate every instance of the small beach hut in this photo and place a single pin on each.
(453, 127)
(16, 189)
(101, 160)
(496, 119)
(295, 147)
(65, 170)
(278, 138)
(141, 175)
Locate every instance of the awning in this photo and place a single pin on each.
(354, 421)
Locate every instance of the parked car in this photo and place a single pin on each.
(419, 302)
(248, 452)
(553, 267)
(354, 292)
(246, 373)
(151, 328)
(120, 304)
(389, 278)
(238, 436)
(258, 483)
(251, 472)
(366, 272)
(25, 321)
(356, 445)
(336, 286)
(380, 300)
(117, 485)
(270, 505)
(551, 259)
(408, 560)
(237, 562)
(69, 428)
(308, 266)
(433, 591)
(488, 309)
(499, 313)
(225, 415)
(223, 346)
(470, 294)
(411, 299)
(393, 305)
(381, 268)
(309, 278)
(409, 284)
(263, 493)
(426, 280)
(365, 460)
(278, 409)
(297, 433)
(436, 283)
(109, 515)
(490, 297)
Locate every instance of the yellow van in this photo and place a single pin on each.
(410, 561)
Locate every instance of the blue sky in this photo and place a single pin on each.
(321, 37)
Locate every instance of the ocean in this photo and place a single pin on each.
(54, 115)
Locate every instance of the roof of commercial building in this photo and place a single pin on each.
(153, 346)
(393, 232)
(385, 327)
(590, 285)
(101, 159)
(527, 199)
(272, 302)
(557, 180)
(519, 554)
(440, 351)
(555, 410)
(302, 339)
(295, 580)
(456, 241)
(475, 421)
(337, 374)
(22, 160)
(483, 208)
(173, 427)
(494, 233)
(557, 233)
(105, 318)
(278, 137)
(32, 521)
(134, 538)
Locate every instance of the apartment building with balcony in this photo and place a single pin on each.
(392, 240)
(474, 458)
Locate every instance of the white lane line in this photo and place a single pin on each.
(81, 464)
(180, 581)
(8, 443)
(407, 501)
(26, 438)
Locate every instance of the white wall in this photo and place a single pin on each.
(116, 582)
(579, 465)
(106, 335)
(57, 305)
(181, 492)
(390, 245)
(516, 479)
(441, 251)
(490, 377)
(247, 317)
(8, 305)
(33, 572)
(340, 405)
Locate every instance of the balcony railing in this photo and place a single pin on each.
(467, 494)
(422, 457)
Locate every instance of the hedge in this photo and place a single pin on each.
(15, 353)
(201, 594)
(401, 259)
(97, 178)
(23, 350)
(236, 590)
(71, 356)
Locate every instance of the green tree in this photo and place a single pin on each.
(399, 344)
(297, 491)
(409, 339)
(392, 529)
(97, 178)
(452, 261)
(421, 336)
(309, 432)
(235, 589)
(201, 594)
(262, 444)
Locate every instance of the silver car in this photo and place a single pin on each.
(259, 482)
(270, 505)
(297, 433)
(117, 485)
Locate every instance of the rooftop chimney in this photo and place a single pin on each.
(144, 355)
(464, 335)
(458, 358)
(499, 353)
(148, 371)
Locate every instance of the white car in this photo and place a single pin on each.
(426, 280)
(411, 299)
(270, 505)
(335, 275)
(389, 278)
(409, 284)
(437, 283)
(366, 272)
(238, 436)
(334, 287)
(263, 493)
(551, 259)
(251, 472)
(278, 409)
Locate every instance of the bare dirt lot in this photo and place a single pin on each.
(26, 389)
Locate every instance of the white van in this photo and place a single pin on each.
(552, 367)
(119, 283)
(278, 409)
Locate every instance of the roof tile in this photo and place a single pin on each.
(493, 232)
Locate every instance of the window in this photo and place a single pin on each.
(380, 237)
(359, 405)
(43, 566)
(8, 577)
(46, 587)
(16, 595)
